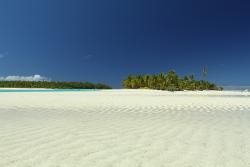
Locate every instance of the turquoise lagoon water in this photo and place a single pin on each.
(46, 90)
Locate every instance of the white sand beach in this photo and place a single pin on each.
(125, 128)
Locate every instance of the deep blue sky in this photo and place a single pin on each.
(104, 40)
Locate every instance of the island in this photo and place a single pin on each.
(52, 85)
(169, 81)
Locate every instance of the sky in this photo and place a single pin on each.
(104, 41)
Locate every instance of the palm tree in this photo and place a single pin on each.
(204, 72)
(172, 78)
(160, 81)
(127, 82)
(140, 81)
(146, 80)
(134, 82)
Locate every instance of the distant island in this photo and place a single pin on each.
(52, 85)
(170, 81)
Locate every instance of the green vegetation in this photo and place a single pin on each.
(170, 81)
(204, 72)
(52, 85)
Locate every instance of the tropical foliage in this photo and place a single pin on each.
(170, 81)
(52, 85)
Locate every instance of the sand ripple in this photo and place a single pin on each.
(124, 129)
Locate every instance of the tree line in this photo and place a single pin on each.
(53, 85)
(169, 81)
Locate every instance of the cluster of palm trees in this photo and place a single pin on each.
(53, 85)
(170, 81)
